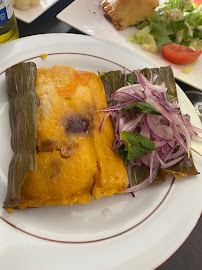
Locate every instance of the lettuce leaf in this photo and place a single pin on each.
(150, 44)
(178, 21)
(140, 36)
(183, 5)
(196, 44)
(194, 18)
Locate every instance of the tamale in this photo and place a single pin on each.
(114, 80)
(73, 158)
(20, 85)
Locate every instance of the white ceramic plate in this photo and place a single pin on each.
(34, 12)
(117, 232)
(87, 16)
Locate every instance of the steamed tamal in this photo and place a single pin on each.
(73, 159)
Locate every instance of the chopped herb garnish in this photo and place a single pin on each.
(143, 107)
(138, 145)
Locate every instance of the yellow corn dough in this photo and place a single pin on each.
(73, 159)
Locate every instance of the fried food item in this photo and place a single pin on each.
(73, 159)
(22, 4)
(123, 13)
(25, 4)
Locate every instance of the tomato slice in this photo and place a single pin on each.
(179, 55)
(197, 2)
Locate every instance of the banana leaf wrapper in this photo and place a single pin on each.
(114, 80)
(23, 99)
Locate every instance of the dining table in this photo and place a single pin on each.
(189, 255)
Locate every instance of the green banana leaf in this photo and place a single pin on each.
(23, 99)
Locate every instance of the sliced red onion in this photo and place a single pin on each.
(160, 144)
(196, 151)
(159, 159)
(138, 90)
(176, 154)
(186, 119)
(125, 97)
(168, 130)
(153, 78)
(145, 160)
(157, 106)
(186, 133)
(147, 126)
(121, 124)
(103, 120)
(132, 124)
(142, 185)
(130, 89)
(116, 107)
(116, 127)
(158, 130)
(194, 129)
(177, 137)
(166, 154)
(142, 80)
(173, 162)
(161, 89)
(108, 88)
(144, 130)
(151, 166)
(116, 145)
(172, 143)
(166, 148)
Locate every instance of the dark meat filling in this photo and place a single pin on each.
(78, 124)
(47, 146)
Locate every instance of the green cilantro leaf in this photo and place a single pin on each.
(123, 154)
(144, 107)
(138, 145)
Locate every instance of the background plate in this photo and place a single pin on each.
(34, 12)
(87, 16)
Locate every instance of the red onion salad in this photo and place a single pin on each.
(149, 128)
